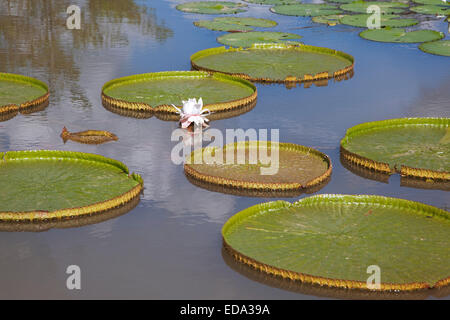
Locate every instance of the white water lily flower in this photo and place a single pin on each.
(193, 112)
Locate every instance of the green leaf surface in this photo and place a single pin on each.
(17, 89)
(340, 236)
(433, 2)
(273, 2)
(235, 24)
(247, 39)
(417, 143)
(273, 62)
(441, 47)
(386, 20)
(331, 19)
(430, 9)
(53, 180)
(385, 7)
(212, 7)
(166, 88)
(306, 10)
(401, 35)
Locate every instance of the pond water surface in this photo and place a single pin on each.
(169, 246)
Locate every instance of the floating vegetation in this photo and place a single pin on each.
(430, 9)
(276, 62)
(331, 20)
(21, 94)
(433, 2)
(341, 1)
(156, 92)
(273, 2)
(306, 10)
(247, 39)
(44, 185)
(441, 48)
(386, 20)
(330, 240)
(88, 136)
(413, 147)
(234, 24)
(212, 7)
(401, 35)
(289, 167)
(385, 7)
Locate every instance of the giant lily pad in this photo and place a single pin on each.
(235, 24)
(21, 93)
(42, 185)
(441, 48)
(386, 20)
(332, 240)
(212, 7)
(247, 39)
(259, 165)
(431, 9)
(306, 10)
(401, 35)
(331, 20)
(275, 62)
(414, 147)
(272, 2)
(156, 92)
(385, 7)
(433, 2)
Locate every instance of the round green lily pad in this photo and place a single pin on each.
(259, 165)
(156, 92)
(212, 7)
(341, 1)
(385, 7)
(18, 93)
(41, 185)
(273, 2)
(235, 24)
(441, 48)
(401, 35)
(340, 240)
(433, 2)
(275, 62)
(306, 10)
(330, 20)
(431, 9)
(416, 147)
(386, 20)
(247, 39)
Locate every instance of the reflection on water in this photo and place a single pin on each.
(169, 245)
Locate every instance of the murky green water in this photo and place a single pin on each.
(169, 246)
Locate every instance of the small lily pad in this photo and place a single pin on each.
(386, 20)
(212, 7)
(431, 9)
(401, 35)
(306, 10)
(385, 7)
(247, 39)
(441, 48)
(332, 240)
(88, 136)
(235, 24)
(330, 20)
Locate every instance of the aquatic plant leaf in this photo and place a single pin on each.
(38, 185)
(385, 7)
(441, 47)
(306, 10)
(431, 9)
(273, 2)
(156, 92)
(235, 24)
(275, 62)
(331, 240)
(19, 92)
(212, 7)
(386, 20)
(247, 39)
(433, 2)
(341, 1)
(330, 20)
(389, 145)
(88, 136)
(242, 165)
(401, 35)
